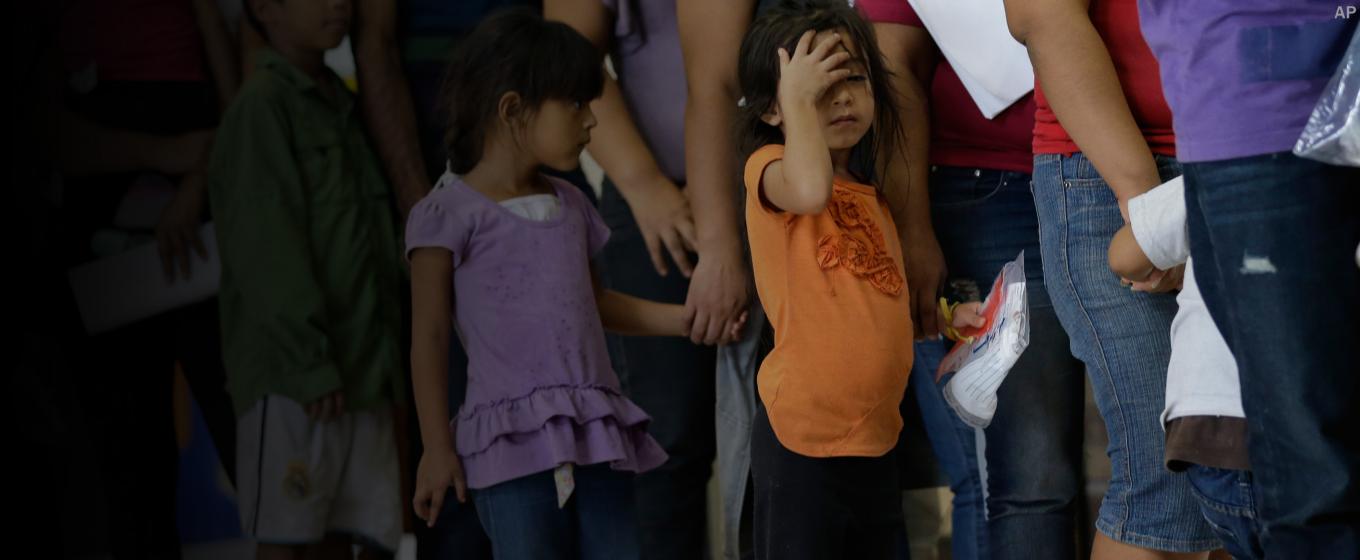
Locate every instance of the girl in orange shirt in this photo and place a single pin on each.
(817, 120)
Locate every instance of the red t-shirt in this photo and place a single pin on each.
(959, 134)
(133, 40)
(1117, 23)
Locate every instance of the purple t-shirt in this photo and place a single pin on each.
(652, 76)
(1242, 77)
(540, 388)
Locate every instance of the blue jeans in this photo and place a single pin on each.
(598, 522)
(1225, 497)
(1274, 239)
(672, 380)
(1124, 339)
(1016, 483)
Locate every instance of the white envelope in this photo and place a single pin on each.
(972, 35)
(130, 286)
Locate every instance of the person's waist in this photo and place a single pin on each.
(840, 358)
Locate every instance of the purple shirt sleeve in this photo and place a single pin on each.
(431, 225)
(889, 11)
(597, 233)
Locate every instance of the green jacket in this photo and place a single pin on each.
(311, 268)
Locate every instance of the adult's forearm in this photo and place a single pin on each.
(389, 116)
(1079, 80)
(618, 147)
(711, 169)
(906, 183)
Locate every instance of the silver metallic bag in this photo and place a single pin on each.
(1333, 132)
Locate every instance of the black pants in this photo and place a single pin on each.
(124, 377)
(822, 508)
(673, 381)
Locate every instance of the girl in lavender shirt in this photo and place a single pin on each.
(545, 439)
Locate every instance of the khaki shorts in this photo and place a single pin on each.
(299, 480)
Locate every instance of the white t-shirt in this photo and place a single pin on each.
(1202, 378)
(536, 207)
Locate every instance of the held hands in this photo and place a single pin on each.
(439, 469)
(717, 295)
(807, 73)
(1159, 281)
(732, 330)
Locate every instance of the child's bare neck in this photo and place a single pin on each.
(500, 176)
(840, 163)
(310, 61)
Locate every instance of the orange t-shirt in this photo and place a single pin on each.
(835, 292)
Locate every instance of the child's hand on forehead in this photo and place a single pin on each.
(810, 70)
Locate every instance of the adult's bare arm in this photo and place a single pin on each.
(909, 53)
(710, 38)
(1079, 80)
(659, 207)
(388, 112)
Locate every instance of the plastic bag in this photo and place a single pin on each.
(1333, 132)
(980, 362)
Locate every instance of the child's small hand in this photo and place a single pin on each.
(733, 330)
(1160, 281)
(439, 469)
(806, 74)
(968, 315)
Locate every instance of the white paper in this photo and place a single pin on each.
(981, 365)
(564, 477)
(125, 288)
(974, 38)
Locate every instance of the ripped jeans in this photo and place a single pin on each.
(1275, 239)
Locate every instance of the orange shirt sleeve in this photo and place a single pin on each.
(755, 170)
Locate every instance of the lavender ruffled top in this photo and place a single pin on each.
(541, 391)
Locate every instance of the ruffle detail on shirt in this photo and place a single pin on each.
(860, 246)
(584, 425)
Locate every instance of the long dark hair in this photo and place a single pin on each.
(514, 51)
(758, 71)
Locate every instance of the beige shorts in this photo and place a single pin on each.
(299, 480)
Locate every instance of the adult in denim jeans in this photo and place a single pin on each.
(1015, 484)
(1274, 238)
(1096, 75)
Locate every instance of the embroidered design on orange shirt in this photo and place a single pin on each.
(849, 249)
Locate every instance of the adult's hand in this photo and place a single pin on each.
(663, 216)
(717, 294)
(926, 275)
(177, 231)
